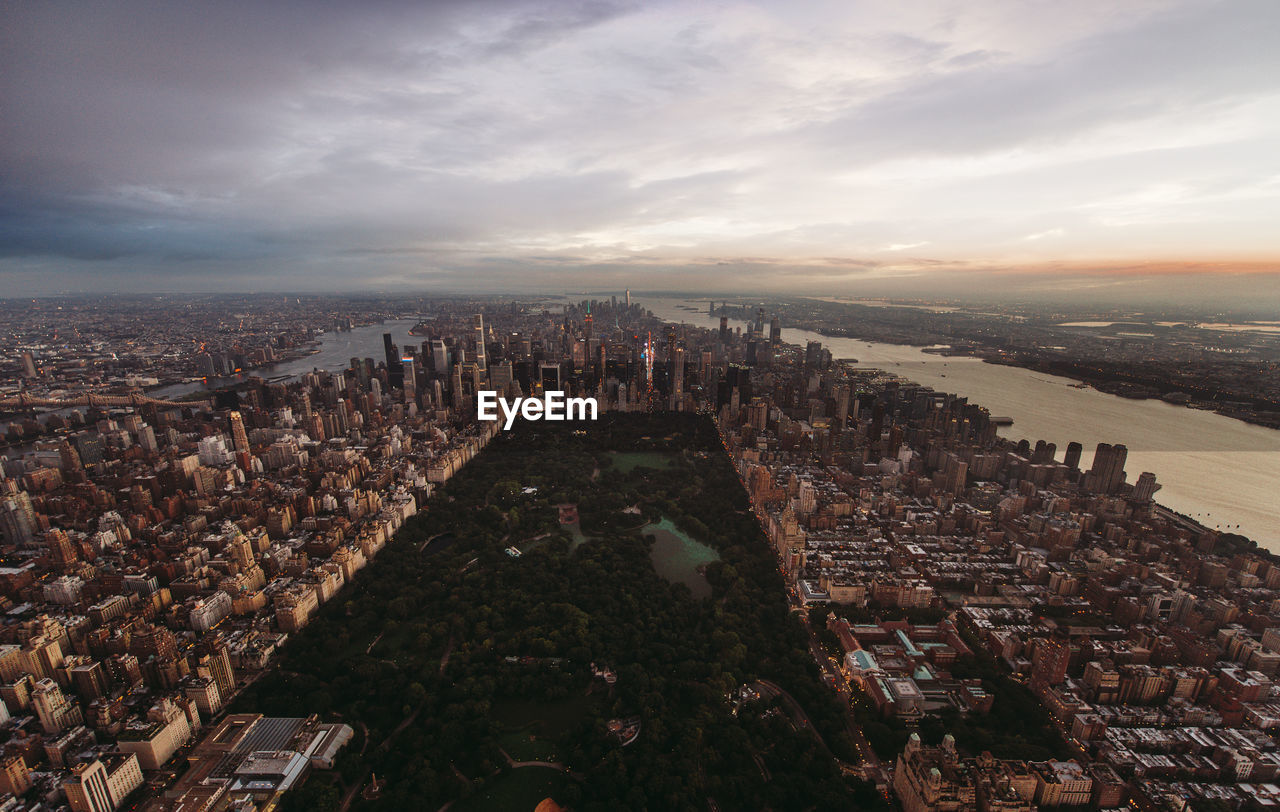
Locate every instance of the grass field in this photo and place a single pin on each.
(518, 791)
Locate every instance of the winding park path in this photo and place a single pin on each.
(513, 764)
(424, 544)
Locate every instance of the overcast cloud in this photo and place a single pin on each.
(585, 145)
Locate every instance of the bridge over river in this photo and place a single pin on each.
(23, 402)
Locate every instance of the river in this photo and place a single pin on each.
(336, 351)
(1220, 471)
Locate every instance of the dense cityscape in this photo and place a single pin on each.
(1003, 627)
(542, 406)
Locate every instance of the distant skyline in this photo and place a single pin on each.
(1002, 149)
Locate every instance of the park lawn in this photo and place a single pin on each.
(549, 720)
(529, 745)
(628, 461)
(520, 790)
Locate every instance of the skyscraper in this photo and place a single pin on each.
(1072, 459)
(15, 778)
(17, 519)
(549, 374)
(55, 711)
(409, 377)
(439, 357)
(482, 365)
(677, 370)
(239, 439)
(813, 355)
(395, 373)
(1144, 490)
(1106, 475)
(842, 403)
(87, 789)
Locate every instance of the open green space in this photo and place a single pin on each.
(481, 656)
(628, 461)
(521, 788)
(546, 721)
(528, 745)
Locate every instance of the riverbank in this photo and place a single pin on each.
(1218, 471)
(1113, 381)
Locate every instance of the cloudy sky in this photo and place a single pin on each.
(583, 145)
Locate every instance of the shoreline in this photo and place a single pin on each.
(1110, 386)
(1256, 545)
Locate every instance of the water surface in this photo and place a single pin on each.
(1220, 471)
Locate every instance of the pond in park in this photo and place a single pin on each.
(677, 557)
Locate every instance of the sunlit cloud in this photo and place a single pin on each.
(518, 144)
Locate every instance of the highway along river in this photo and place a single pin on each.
(1217, 470)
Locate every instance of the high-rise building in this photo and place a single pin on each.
(147, 439)
(29, 365)
(90, 448)
(155, 741)
(1050, 658)
(17, 519)
(90, 680)
(214, 661)
(87, 789)
(482, 360)
(95, 786)
(409, 377)
(1144, 490)
(62, 551)
(1072, 458)
(15, 777)
(395, 372)
(68, 457)
(930, 778)
(203, 691)
(439, 357)
(500, 376)
(842, 404)
(549, 375)
(813, 355)
(55, 711)
(239, 438)
(1106, 475)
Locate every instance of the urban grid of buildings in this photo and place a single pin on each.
(157, 555)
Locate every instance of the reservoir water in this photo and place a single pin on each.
(1220, 471)
(677, 557)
